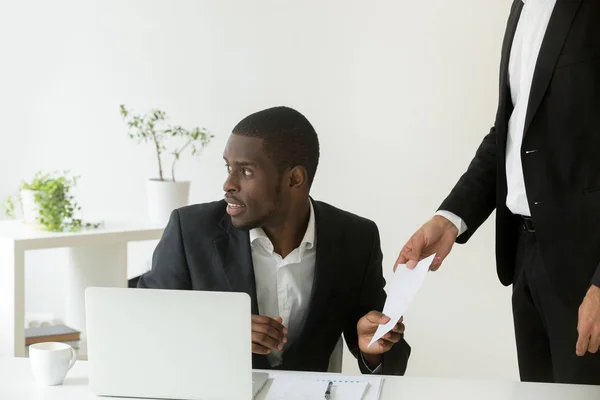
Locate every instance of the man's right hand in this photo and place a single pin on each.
(435, 237)
(268, 334)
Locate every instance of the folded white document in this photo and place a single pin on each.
(400, 293)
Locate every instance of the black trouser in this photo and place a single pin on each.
(546, 329)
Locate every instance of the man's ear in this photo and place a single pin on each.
(298, 177)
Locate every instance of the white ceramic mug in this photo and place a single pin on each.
(50, 362)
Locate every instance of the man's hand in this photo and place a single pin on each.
(366, 327)
(268, 334)
(435, 237)
(589, 322)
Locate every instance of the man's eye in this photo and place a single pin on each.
(246, 172)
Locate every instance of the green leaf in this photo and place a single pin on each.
(9, 207)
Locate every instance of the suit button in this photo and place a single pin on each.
(530, 151)
(537, 203)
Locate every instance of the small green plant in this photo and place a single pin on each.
(153, 127)
(55, 204)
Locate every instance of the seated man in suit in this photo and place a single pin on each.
(312, 271)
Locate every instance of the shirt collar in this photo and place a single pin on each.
(258, 235)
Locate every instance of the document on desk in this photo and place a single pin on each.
(290, 387)
(400, 293)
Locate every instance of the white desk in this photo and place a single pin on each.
(98, 257)
(16, 382)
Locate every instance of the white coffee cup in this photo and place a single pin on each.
(50, 362)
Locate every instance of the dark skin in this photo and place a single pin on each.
(261, 195)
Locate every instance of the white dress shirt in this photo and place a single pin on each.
(525, 50)
(284, 285)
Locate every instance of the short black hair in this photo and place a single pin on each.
(289, 138)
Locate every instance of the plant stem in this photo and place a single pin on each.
(173, 169)
(157, 144)
(177, 153)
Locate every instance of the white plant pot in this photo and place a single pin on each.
(29, 207)
(164, 197)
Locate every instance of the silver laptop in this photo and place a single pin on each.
(170, 344)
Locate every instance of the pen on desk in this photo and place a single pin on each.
(328, 391)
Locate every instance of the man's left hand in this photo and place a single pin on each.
(367, 326)
(589, 322)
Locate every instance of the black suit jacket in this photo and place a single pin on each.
(560, 155)
(201, 250)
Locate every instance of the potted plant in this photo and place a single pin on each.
(165, 194)
(47, 203)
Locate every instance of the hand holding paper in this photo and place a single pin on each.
(402, 290)
(366, 327)
(437, 236)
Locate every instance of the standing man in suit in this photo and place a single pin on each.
(539, 169)
(312, 271)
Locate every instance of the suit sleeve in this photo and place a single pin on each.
(372, 297)
(596, 277)
(473, 198)
(169, 266)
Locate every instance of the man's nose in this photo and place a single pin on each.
(231, 184)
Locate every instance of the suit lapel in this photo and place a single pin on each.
(556, 34)
(328, 255)
(505, 100)
(233, 249)
(511, 29)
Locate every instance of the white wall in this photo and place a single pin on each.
(401, 93)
